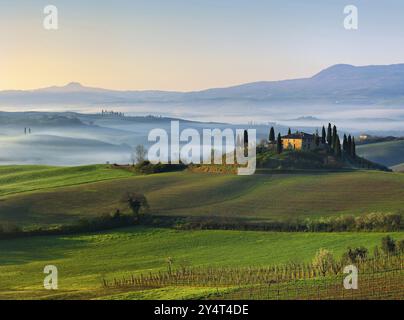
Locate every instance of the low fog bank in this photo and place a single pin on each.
(70, 138)
(53, 150)
(77, 139)
(379, 119)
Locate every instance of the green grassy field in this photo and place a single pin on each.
(387, 153)
(16, 179)
(83, 260)
(260, 197)
(38, 195)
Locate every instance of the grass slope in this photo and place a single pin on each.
(388, 153)
(258, 197)
(16, 179)
(83, 260)
(398, 168)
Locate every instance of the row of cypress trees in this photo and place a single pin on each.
(332, 138)
(278, 140)
(329, 137)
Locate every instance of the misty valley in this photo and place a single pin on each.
(71, 138)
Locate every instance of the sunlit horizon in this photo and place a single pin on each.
(189, 46)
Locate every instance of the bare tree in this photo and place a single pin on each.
(133, 158)
(139, 154)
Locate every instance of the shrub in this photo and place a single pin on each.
(146, 167)
(388, 245)
(379, 221)
(323, 261)
(138, 203)
(355, 255)
(400, 246)
(376, 252)
(9, 228)
(103, 222)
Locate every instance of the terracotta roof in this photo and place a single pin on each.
(299, 135)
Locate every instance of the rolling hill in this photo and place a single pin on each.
(16, 179)
(398, 168)
(83, 260)
(262, 197)
(43, 196)
(387, 153)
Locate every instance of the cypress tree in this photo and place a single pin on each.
(317, 138)
(349, 145)
(279, 144)
(345, 144)
(353, 148)
(289, 131)
(329, 135)
(323, 136)
(337, 150)
(272, 135)
(245, 143)
(245, 137)
(334, 137)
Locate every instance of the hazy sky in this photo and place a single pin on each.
(190, 44)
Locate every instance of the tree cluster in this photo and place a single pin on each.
(332, 139)
(276, 141)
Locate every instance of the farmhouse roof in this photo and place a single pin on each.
(299, 135)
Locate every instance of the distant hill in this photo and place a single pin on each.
(375, 139)
(338, 84)
(398, 168)
(39, 119)
(307, 118)
(387, 153)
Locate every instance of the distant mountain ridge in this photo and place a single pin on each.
(338, 84)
